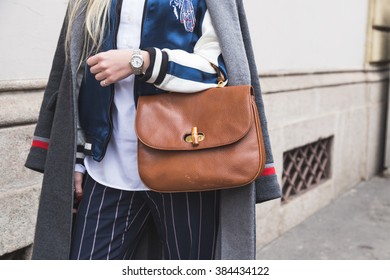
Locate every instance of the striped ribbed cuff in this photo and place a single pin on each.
(80, 155)
(157, 69)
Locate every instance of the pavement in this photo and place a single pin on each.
(356, 226)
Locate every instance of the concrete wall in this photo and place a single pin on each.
(305, 52)
(387, 148)
(301, 109)
(29, 32)
(19, 187)
(287, 35)
(305, 34)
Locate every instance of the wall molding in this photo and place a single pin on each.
(278, 82)
(22, 85)
(271, 82)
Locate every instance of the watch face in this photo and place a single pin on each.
(137, 61)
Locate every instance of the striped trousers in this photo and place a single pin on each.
(110, 222)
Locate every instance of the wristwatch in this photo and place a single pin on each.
(137, 62)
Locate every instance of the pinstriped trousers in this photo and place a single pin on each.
(110, 222)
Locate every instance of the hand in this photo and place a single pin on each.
(78, 180)
(112, 66)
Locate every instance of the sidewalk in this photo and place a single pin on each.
(355, 226)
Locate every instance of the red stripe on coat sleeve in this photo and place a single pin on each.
(268, 171)
(40, 144)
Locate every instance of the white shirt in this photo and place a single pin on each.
(119, 167)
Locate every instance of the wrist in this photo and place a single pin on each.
(139, 62)
(146, 57)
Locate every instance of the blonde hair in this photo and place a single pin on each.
(96, 21)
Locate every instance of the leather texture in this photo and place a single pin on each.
(231, 154)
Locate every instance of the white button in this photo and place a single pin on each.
(127, 18)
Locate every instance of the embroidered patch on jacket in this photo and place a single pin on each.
(184, 11)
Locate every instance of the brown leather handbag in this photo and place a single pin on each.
(199, 141)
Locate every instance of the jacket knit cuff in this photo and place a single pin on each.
(80, 155)
(157, 69)
(79, 166)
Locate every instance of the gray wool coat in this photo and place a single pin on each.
(57, 123)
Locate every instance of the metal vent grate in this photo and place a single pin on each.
(305, 167)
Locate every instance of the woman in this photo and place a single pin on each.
(132, 48)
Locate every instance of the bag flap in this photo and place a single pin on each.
(222, 115)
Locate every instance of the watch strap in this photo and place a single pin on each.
(136, 70)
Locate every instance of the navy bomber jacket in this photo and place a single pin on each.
(183, 47)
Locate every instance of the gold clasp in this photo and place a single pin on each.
(195, 137)
(220, 83)
(221, 76)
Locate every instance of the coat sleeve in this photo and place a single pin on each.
(41, 140)
(171, 69)
(267, 186)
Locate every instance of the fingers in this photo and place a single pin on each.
(104, 83)
(78, 180)
(93, 60)
(97, 63)
(101, 76)
(110, 66)
(100, 69)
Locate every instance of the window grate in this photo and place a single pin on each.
(305, 167)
